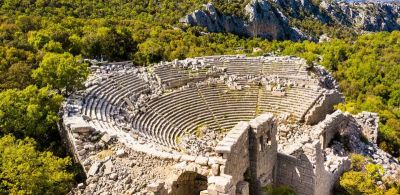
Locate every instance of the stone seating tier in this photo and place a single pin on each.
(215, 106)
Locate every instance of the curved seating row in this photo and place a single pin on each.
(172, 115)
(215, 106)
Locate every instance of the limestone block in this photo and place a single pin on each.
(94, 168)
(82, 152)
(223, 149)
(120, 152)
(215, 169)
(89, 147)
(222, 169)
(113, 176)
(201, 160)
(108, 167)
(181, 165)
(222, 184)
(211, 189)
(81, 185)
(155, 186)
(176, 157)
(212, 160)
(191, 167)
(106, 138)
(188, 158)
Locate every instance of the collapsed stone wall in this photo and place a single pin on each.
(323, 106)
(310, 159)
(249, 153)
(369, 122)
(327, 129)
(306, 172)
(297, 173)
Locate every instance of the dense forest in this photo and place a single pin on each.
(43, 44)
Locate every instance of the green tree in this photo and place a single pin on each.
(30, 112)
(363, 178)
(24, 170)
(63, 72)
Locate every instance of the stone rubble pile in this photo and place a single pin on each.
(291, 136)
(120, 170)
(232, 84)
(202, 144)
(119, 157)
(325, 79)
(352, 140)
(369, 123)
(85, 139)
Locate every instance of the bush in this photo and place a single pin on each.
(24, 170)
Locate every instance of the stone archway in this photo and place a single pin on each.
(189, 183)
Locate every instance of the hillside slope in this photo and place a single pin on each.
(296, 19)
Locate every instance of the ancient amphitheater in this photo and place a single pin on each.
(214, 125)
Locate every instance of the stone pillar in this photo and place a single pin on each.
(263, 151)
(235, 157)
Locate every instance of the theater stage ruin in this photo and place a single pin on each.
(214, 125)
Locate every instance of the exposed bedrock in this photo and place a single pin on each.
(263, 21)
(270, 18)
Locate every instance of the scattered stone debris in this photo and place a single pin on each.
(288, 136)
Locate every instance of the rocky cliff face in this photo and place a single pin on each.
(365, 16)
(270, 18)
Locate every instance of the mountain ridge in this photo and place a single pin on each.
(284, 19)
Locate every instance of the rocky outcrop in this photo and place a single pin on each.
(270, 18)
(263, 21)
(365, 16)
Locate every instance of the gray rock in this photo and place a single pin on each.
(120, 152)
(106, 138)
(113, 176)
(81, 185)
(108, 167)
(264, 19)
(94, 168)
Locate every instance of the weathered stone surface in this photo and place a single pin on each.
(94, 168)
(120, 153)
(201, 160)
(267, 20)
(264, 21)
(270, 150)
(108, 167)
(106, 138)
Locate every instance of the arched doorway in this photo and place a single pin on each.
(189, 183)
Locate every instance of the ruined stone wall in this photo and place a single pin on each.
(304, 170)
(263, 151)
(369, 122)
(296, 172)
(323, 106)
(67, 139)
(325, 178)
(328, 128)
(249, 155)
(234, 148)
